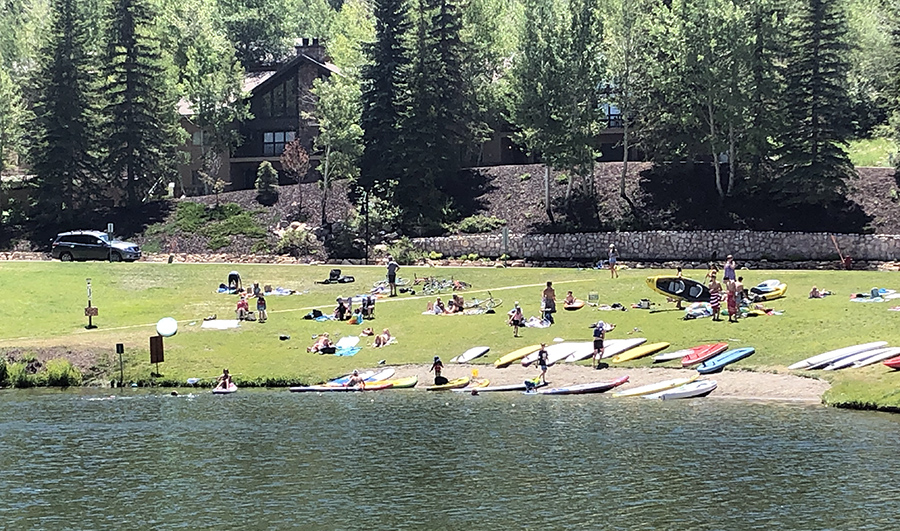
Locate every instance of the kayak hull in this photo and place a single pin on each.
(703, 353)
(582, 389)
(719, 362)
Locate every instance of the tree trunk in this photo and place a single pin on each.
(732, 153)
(712, 148)
(325, 184)
(625, 146)
(547, 194)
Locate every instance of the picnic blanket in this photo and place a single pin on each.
(534, 322)
(347, 351)
(220, 324)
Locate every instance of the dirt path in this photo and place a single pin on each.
(732, 384)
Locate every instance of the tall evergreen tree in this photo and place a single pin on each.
(64, 157)
(257, 28)
(384, 86)
(142, 132)
(434, 132)
(12, 118)
(814, 167)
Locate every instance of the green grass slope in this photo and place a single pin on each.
(43, 311)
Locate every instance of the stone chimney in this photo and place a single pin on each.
(312, 48)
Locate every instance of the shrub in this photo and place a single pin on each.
(403, 251)
(434, 255)
(562, 178)
(3, 372)
(524, 176)
(266, 183)
(61, 373)
(18, 376)
(190, 217)
(480, 223)
(295, 242)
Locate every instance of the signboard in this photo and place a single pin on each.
(91, 311)
(109, 228)
(156, 349)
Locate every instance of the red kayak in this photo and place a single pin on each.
(703, 353)
(893, 363)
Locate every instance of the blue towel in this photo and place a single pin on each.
(347, 351)
(323, 318)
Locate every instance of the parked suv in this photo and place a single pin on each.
(92, 245)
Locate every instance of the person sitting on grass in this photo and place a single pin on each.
(356, 318)
(342, 310)
(383, 338)
(815, 293)
(368, 332)
(322, 342)
(570, 299)
(439, 307)
(243, 309)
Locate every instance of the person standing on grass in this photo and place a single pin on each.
(261, 308)
(542, 363)
(392, 268)
(715, 299)
(731, 300)
(728, 275)
(515, 319)
(600, 330)
(548, 302)
(613, 258)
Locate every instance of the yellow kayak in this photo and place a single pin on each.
(402, 383)
(639, 352)
(516, 355)
(776, 293)
(452, 384)
(656, 387)
(480, 383)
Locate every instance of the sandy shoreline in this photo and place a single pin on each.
(732, 384)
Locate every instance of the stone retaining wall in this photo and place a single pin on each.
(671, 245)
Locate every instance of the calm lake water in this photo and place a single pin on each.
(414, 460)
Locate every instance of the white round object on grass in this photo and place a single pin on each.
(167, 327)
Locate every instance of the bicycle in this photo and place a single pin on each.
(486, 305)
(401, 282)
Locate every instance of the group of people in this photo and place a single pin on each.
(344, 310)
(733, 290)
(454, 305)
(243, 313)
(516, 318)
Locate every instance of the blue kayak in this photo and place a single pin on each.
(717, 363)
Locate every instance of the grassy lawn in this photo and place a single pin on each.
(45, 300)
(874, 152)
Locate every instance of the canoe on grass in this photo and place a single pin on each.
(515, 355)
(717, 363)
(656, 387)
(640, 352)
(691, 390)
(471, 354)
(452, 384)
(703, 353)
(679, 288)
(582, 389)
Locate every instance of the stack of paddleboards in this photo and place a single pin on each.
(611, 348)
(375, 381)
(834, 357)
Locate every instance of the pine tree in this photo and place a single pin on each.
(142, 133)
(384, 83)
(63, 154)
(814, 167)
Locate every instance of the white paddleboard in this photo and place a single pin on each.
(821, 360)
(582, 349)
(669, 356)
(850, 360)
(553, 351)
(383, 374)
(471, 354)
(611, 348)
(877, 355)
(700, 387)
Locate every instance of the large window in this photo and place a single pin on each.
(281, 101)
(274, 141)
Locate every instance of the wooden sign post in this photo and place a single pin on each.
(90, 312)
(156, 351)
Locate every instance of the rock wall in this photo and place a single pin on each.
(670, 245)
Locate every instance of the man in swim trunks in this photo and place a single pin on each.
(392, 268)
(599, 336)
(356, 381)
(715, 296)
(548, 302)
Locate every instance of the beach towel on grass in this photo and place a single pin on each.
(220, 324)
(347, 342)
(347, 351)
(323, 318)
(534, 322)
